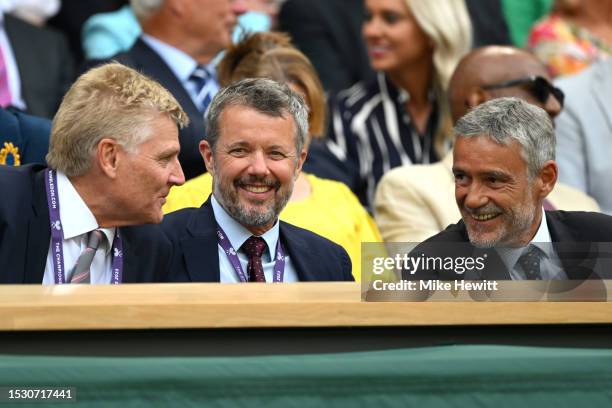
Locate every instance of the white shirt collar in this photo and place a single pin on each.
(181, 64)
(238, 234)
(77, 219)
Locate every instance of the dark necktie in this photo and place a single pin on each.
(530, 262)
(200, 77)
(254, 247)
(81, 273)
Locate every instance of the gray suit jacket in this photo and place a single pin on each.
(584, 133)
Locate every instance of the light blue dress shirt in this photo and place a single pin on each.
(237, 235)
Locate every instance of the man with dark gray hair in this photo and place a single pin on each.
(504, 167)
(255, 150)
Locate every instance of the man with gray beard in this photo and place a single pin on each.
(254, 151)
(504, 167)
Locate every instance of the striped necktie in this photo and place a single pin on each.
(81, 272)
(203, 79)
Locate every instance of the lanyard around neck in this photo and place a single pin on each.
(232, 256)
(57, 237)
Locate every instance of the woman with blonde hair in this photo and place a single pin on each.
(323, 206)
(402, 117)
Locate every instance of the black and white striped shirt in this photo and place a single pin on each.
(371, 131)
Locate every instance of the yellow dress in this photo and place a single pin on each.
(331, 210)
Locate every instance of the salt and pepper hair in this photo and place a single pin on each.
(109, 101)
(144, 8)
(263, 95)
(506, 119)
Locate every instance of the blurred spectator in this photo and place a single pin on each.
(177, 47)
(520, 16)
(73, 14)
(323, 206)
(35, 12)
(414, 203)
(329, 33)
(36, 67)
(24, 139)
(584, 133)
(401, 117)
(575, 34)
(107, 34)
(488, 23)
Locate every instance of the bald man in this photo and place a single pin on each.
(415, 202)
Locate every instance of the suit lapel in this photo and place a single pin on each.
(578, 258)
(305, 263)
(147, 60)
(39, 233)
(200, 252)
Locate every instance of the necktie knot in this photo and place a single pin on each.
(200, 76)
(254, 247)
(205, 87)
(530, 262)
(81, 271)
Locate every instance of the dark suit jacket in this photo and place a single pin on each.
(45, 65)
(574, 235)
(329, 33)
(144, 59)
(25, 233)
(28, 133)
(193, 233)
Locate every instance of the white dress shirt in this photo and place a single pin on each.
(77, 221)
(237, 235)
(550, 264)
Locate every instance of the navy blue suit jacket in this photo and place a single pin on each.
(144, 59)
(25, 233)
(29, 134)
(193, 233)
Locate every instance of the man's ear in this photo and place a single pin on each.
(207, 154)
(301, 159)
(108, 156)
(548, 178)
(476, 96)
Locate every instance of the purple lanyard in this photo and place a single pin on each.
(57, 249)
(279, 265)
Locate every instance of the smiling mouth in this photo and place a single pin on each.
(257, 189)
(484, 217)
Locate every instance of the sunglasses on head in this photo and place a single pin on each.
(539, 86)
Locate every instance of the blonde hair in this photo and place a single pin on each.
(447, 24)
(109, 101)
(271, 55)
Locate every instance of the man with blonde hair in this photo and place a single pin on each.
(112, 160)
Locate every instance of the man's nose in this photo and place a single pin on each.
(259, 164)
(177, 177)
(475, 196)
